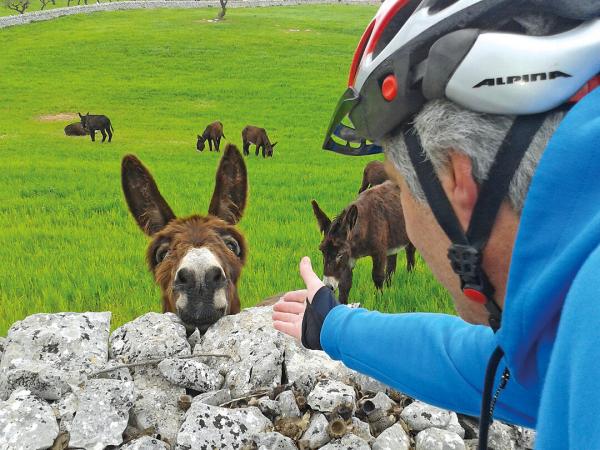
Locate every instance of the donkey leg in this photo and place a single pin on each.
(210, 144)
(93, 134)
(344, 287)
(410, 257)
(390, 268)
(103, 134)
(257, 150)
(218, 144)
(378, 273)
(109, 133)
(246, 148)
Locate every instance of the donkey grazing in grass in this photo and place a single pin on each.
(196, 260)
(213, 134)
(373, 175)
(91, 123)
(258, 137)
(75, 129)
(372, 225)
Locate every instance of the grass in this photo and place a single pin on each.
(67, 242)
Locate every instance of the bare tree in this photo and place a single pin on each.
(44, 3)
(17, 5)
(221, 14)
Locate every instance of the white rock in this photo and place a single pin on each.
(329, 394)
(502, 436)
(362, 430)
(145, 443)
(287, 405)
(214, 398)
(454, 425)
(191, 374)
(194, 338)
(526, 438)
(367, 384)
(316, 434)
(381, 400)
(437, 439)
(347, 442)
(207, 426)
(65, 410)
(419, 416)
(26, 422)
(393, 438)
(256, 350)
(40, 378)
(123, 374)
(273, 441)
(269, 407)
(102, 414)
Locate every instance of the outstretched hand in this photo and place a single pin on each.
(289, 310)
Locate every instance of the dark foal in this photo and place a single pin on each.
(373, 175)
(101, 123)
(258, 137)
(196, 260)
(213, 134)
(372, 225)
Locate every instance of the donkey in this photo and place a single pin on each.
(75, 129)
(91, 123)
(373, 175)
(196, 260)
(213, 134)
(258, 137)
(372, 225)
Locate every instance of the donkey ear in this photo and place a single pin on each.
(273, 145)
(80, 116)
(351, 218)
(147, 206)
(322, 219)
(231, 187)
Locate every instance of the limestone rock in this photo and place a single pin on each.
(149, 336)
(454, 425)
(123, 374)
(256, 350)
(145, 443)
(316, 434)
(437, 439)
(362, 430)
(502, 436)
(40, 378)
(273, 441)
(349, 441)
(526, 438)
(329, 394)
(420, 416)
(65, 410)
(2, 345)
(287, 405)
(393, 438)
(191, 374)
(214, 398)
(367, 384)
(383, 401)
(207, 426)
(269, 407)
(102, 414)
(26, 422)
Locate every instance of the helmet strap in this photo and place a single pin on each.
(466, 252)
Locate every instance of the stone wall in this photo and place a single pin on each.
(36, 16)
(242, 385)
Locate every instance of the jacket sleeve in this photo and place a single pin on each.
(437, 358)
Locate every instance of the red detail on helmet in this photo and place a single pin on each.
(382, 19)
(586, 89)
(360, 50)
(475, 295)
(389, 88)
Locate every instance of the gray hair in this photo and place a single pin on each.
(444, 126)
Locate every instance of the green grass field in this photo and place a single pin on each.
(67, 242)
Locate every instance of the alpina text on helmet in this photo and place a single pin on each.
(528, 78)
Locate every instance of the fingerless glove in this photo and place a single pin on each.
(314, 316)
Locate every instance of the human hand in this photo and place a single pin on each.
(289, 311)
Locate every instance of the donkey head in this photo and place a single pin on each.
(84, 120)
(196, 260)
(336, 244)
(200, 144)
(270, 147)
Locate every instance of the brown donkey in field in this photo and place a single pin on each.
(258, 137)
(372, 225)
(213, 134)
(373, 175)
(197, 260)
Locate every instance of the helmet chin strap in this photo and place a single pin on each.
(466, 251)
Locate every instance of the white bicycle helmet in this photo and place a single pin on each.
(472, 52)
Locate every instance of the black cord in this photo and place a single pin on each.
(487, 403)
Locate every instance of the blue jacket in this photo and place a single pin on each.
(551, 322)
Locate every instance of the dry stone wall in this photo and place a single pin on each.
(36, 16)
(242, 385)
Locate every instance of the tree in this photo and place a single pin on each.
(221, 14)
(17, 5)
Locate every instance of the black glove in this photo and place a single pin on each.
(314, 316)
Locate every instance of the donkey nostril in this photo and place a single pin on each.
(214, 276)
(184, 277)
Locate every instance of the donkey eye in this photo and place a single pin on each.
(162, 252)
(232, 245)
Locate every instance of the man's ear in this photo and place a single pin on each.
(460, 186)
